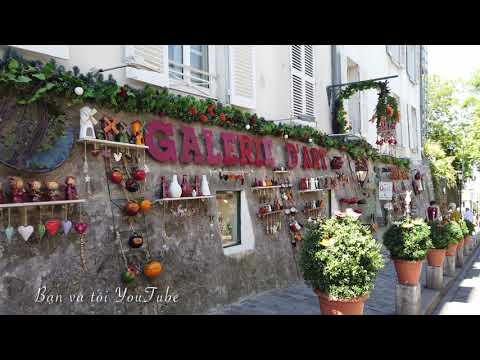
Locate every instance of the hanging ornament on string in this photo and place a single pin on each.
(81, 229)
(25, 230)
(41, 230)
(9, 231)
(66, 224)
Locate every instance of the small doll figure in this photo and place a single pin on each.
(70, 190)
(17, 191)
(137, 133)
(52, 191)
(34, 193)
(2, 195)
(122, 135)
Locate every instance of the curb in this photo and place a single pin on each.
(441, 294)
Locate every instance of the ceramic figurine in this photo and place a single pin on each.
(52, 191)
(197, 186)
(17, 192)
(109, 127)
(205, 189)
(186, 187)
(174, 189)
(87, 121)
(70, 190)
(137, 133)
(2, 195)
(34, 191)
(122, 135)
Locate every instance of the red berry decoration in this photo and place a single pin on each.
(116, 176)
(222, 117)
(211, 110)
(193, 111)
(139, 175)
(132, 208)
(203, 119)
(389, 110)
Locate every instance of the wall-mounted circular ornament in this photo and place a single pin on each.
(36, 137)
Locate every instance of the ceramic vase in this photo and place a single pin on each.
(205, 189)
(186, 187)
(174, 189)
(312, 183)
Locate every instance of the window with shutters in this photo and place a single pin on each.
(413, 62)
(241, 65)
(58, 51)
(302, 81)
(189, 63)
(397, 54)
(414, 132)
(354, 103)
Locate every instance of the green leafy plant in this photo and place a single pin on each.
(408, 240)
(438, 235)
(34, 81)
(453, 232)
(340, 257)
(463, 226)
(470, 226)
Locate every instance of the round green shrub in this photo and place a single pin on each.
(408, 240)
(340, 257)
(453, 232)
(470, 226)
(438, 236)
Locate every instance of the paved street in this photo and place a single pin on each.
(464, 297)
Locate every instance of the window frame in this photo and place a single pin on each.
(303, 76)
(413, 74)
(238, 210)
(186, 85)
(400, 62)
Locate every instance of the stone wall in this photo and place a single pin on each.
(189, 248)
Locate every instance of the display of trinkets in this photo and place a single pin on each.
(70, 189)
(34, 191)
(52, 191)
(311, 184)
(336, 163)
(137, 133)
(186, 187)
(17, 191)
(271, 182)
(232, 176)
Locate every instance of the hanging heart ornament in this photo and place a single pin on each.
(67, 226)
(41, 231)
(81, 228)
(25, 231)
(52, 226)
(117, 156)
(9, 232)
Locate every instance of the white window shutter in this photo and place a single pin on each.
(152, 62)
(58, 51)
(303, 92)
(309, 82)
(242, 76)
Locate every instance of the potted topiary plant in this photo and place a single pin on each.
(471, 230)
(408, 242)
(464, 229)
(340, 260)
(453, 232)
(436, 254)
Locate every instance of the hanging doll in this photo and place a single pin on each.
(2, 195)
(34, 191)
(70, 190)
(52, 191)
(17, 191)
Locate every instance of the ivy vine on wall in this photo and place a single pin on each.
(33, 81)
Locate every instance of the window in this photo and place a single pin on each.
(354, 104)
(301, 66)
(414, 132)
(397, 54)
(413, 63)
(189, 63)
(228, 210)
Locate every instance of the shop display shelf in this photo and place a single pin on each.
(41, 203)
(309, 191)
(281, 171)
(271, 187)
(184, 198)
(270, 213)
(114, 144)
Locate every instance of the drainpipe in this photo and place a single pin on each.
(335, 73)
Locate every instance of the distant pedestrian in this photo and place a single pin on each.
(432, 211)
(468, 215)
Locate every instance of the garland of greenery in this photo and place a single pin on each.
(386, 114)
(33, 81)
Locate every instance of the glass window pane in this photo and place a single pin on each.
(175, 56)
(199, 64)
(228, 212)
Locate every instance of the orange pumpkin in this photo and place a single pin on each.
(152, 269)
(145, 206)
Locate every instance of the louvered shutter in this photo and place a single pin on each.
(242, 76)
(58, 51)
(302, 65)
(153, 60)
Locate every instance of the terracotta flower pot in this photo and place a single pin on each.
(340, 307)
(435, 257)
(451, 250)
(408, 272)
(468, 239)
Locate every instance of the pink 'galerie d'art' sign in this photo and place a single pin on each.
(236, 149)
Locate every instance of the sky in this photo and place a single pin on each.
(453, 61)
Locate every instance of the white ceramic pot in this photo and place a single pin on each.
(204, 186)
(312, 183)
(175, 189)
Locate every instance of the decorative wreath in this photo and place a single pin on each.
(386, 113)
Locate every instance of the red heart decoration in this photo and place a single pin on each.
(80, 228)
(52, 226)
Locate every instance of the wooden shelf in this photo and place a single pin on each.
(271, 187)
(184, 198)
(42, 203)
(307, 191)
(271, 213)
(312, 210)
(112, 143)
(281, 171)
